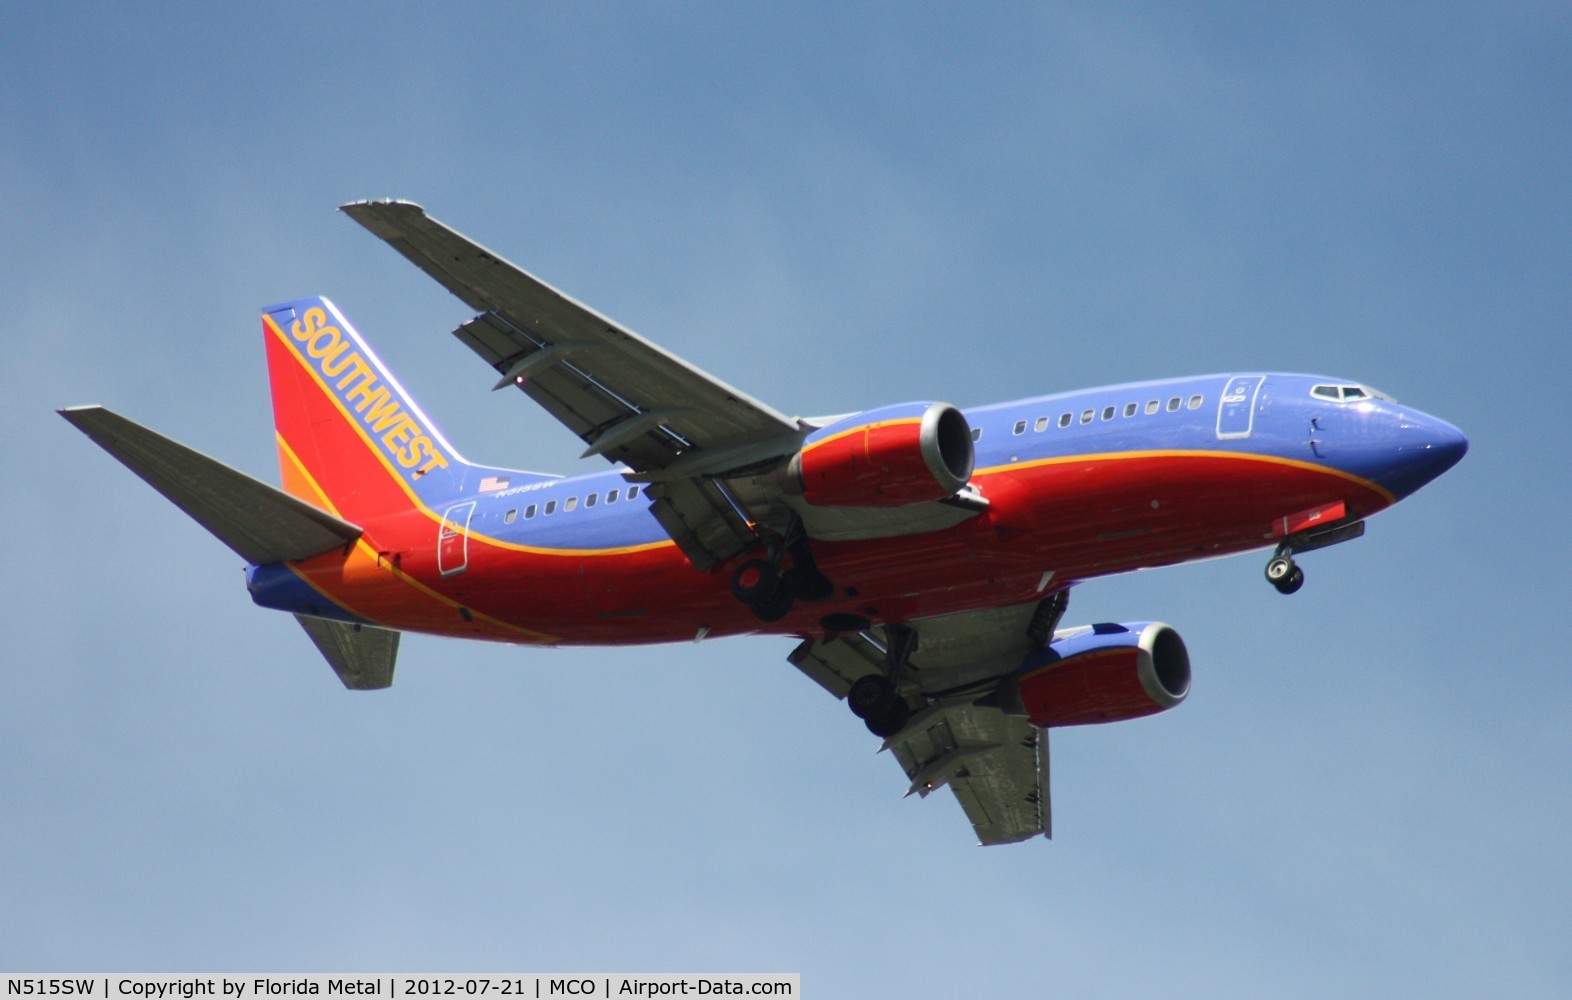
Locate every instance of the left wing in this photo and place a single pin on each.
(673, 424)
(990, 756)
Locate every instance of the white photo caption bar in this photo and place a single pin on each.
(397, 986)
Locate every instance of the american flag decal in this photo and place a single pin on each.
(492, 484)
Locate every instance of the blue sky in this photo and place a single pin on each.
(832, 207)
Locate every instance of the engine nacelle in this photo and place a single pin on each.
(1104, 673)
(889, 457)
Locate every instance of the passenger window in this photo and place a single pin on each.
(1195, 402)
(976, 433)
(1173, 404)
(633, 492)
(589, 501)
(1065, 418)
(529, 512)
(510, 516)
(1040, 426)
(1086, 416)
(1130, 408)
(611, 496)
(1108, 412)
(1020, 427)
(551, 507)
(1151, 406)
(569, 504)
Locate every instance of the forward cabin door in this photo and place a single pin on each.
(453, 539)
(1236, 410)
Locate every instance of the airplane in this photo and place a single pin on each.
(922, 554)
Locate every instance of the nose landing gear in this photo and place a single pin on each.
(1283, 573)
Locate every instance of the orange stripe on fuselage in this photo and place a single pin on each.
(1293, 463)
(366, 583)
(349, 476)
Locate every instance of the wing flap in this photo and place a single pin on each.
(964, 735)
(610, 372)
(260, 523)
(995, 763)
(701, 519)
(835, 664)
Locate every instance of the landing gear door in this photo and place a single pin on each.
(453, 539)
(1236, 410)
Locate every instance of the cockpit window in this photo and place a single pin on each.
(1346, 393)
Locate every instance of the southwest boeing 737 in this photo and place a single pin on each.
(923, 554)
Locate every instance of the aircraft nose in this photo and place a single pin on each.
(1428, 446)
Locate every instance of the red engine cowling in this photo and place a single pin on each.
(1104, 673)
(889, 457)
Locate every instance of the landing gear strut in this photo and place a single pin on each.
(1283, 573)
(769, 589)
(874, 698)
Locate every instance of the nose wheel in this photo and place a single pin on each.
(1284, 574)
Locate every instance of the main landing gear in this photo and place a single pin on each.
(1283, 573)
(770, 590)
(874, 698)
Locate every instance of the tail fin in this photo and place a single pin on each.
(350, 439)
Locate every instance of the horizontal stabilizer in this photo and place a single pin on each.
(361, 655)
(261, 523)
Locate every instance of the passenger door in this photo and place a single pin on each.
(453, 539)
(1236, 410)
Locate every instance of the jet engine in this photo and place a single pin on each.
(1103, 673)
(889, 457)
